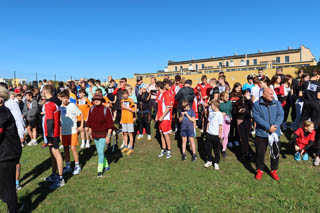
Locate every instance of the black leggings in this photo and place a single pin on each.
(234, 135)
(8, 185)
(144, 122)
(261, 148)
(310, 110)
(244, 131)
(153, 107)
(213, 142)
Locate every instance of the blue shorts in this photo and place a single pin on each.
(187, 133)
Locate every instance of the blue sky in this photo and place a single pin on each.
(119, 38)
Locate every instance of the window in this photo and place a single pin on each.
(248, 62)
(242, 62)
(227, 63)
(202, 66)
(176, 68)
(255, 62)
(196, 67)
(220, 64)
(287, 59)
(278, 59)
(181, 68)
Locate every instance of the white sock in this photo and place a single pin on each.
(82, 141)
(88, 141)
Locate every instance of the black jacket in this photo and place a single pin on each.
(143, 102)
(185, 93)
(10, 146)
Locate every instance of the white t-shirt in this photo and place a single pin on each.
(255, 93)
(215, 120)
(69, 116)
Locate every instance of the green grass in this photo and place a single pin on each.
(144, 183)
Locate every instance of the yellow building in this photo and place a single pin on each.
(236, 67)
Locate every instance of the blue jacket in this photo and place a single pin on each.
(267, 114)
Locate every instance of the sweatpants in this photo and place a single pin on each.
(8, 192)
(261, 148)
(244, 127)
(153, 107)
(298, 109)
(234, 133)
(213, 142)
(310, 110)
(102, 160)
(225, 134)
(144, 122)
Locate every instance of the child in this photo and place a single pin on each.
(163, 118)
(127, 121)
(52, 132)
(84, 105)
(20, 102)
(225, 108)
(69, 114)
(32, 117)
(187, 120)
(101, 124)
(144, 114)
(214, 133)
(303, 139)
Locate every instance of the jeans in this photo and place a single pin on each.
(102, 161)
(298, 107)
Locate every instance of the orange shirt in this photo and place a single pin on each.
(84, 106)
(126, 115)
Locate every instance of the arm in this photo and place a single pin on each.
(181, 117)
(193, 119)
(258, 119)
(165, 113)
(178, 96)
(220, 131)
(280, 115)
(34, 110)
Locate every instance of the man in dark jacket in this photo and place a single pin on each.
(10, 153)
(185, 93)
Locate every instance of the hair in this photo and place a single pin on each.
(265, 80)
(166, 81)
(204, 77)
(112, 80)
(19, 95)
(160, 84)
(256, 80)
(300, 71)
(99, 90)
(304, 76)
(29, 93)
(123, 79)
(128, 87)
(91, 80)
(155, 79)
(44, 80)
(260, 69)
(213, 79)
(222, 95)
(222, 77)
(48, 88)
(64, 94)
(274, 79)
(286, 80)
(82, 91)
(125, 91)
(184, 103)
(237, 84)
(98, 81)
(4, 93)
(177, 78)
(315, 73)
(307, 123)
(2, 84)
(215, 103)
(61, 84)
(245, 91)
(221, 73)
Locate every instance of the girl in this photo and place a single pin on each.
(214, 133)
(287, 83)
(303, 139)
(278, 87)
(235, 95)
(225, 108)
(100, 125)
(187, 120)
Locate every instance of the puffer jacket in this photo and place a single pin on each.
(266, 114)
(185, 93)
(33, 111)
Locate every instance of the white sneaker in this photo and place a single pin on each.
(61, 147)
(216, 166)
(139, 137)
(316, 161)
(162, 153)
(76, 170)
(149, 138)
(83, 144)
(88, 144)
(168, 154)
(122, 146)
(208, 164)
(32, 143)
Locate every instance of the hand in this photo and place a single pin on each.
(80, 129)
(161, 118)
(242, 110)
(302, 151)
(223, 114)
(273, 128)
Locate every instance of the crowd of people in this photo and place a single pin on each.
(85, 112)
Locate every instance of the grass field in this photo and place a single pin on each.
(144, 183)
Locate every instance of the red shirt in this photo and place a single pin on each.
(52, 119)
(204, 90)
(195, 107)
(301, 139)
(164, 101)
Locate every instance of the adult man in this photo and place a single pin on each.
(248, 86)
(10, 153)
(268, 115)
(139, 85)
(185, 93)
(260, 74)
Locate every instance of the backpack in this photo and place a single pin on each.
(104, 110)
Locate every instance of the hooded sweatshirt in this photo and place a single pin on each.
(185, 93)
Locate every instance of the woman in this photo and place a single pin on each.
(235, 95)
(153, 100)
(277, 85)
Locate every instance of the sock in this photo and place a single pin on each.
(68, 164)
(169, 150)
(100, 167)
(88, 141)
(60, 177)
(17, 182)
(105, 163)
(76, 164)
(82, 141)
(129, 147)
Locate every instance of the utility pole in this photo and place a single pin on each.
(71, 78)
(14, 77)
(55, 77)
(37, 77)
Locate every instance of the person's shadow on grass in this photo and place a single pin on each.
(201, 147)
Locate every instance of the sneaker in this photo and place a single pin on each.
(149, 138)
(194, 157)
(230, 144)
(125, 149)
(274, 175)
(122, 146)
(184, 157)
(51, 178)
(32, 143)
(259, 174)
(67, 170)
(139, 137)
(76, 170)
(18, 187)
(305, 157)
(61, 147)
(297, 156)
(208, 164)
(22, 145)
(44, 145)
(162, 153)
(168, 154)
(88, 144)
(316, 161)
(83, 144)
(57, 184)
(236, 143)
(201, 131)
(106, 169)
(224, 154)
(216, 166)
(100, 175)
(130, 152)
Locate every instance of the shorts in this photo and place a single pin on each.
(32, 124)
(79, 124)
(165, 126)
(70, 140)
(53, 142)
(187, 133)
(127, 128)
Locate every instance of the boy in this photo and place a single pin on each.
(164, 119)
(214, 133)
(127, 121)
(187, 120)
(52, 132)
(84, 105)
(32, 117)
(69, 114)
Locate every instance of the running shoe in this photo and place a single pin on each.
(216, 166)
(208, 164)
(305, 157)
(297, 156)
(162, 153)
(57, 184)
(168, 154)
(76, 170)
(52, 178)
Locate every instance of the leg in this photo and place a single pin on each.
(66, 154)
(167, 141)
(125, 138)
(87, 133)
(261, 148)
(163, 141)
(226, 130)
(100, 145)
(147, 123)
(216, 148)
(75, 154)
(58, 158)
(184, 144)
(34, 133)
(140, 122)
(131, 140)
(30, 132)
(209, 147)
(274, 162)
(193, 145)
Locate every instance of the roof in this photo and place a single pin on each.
(279, 52)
